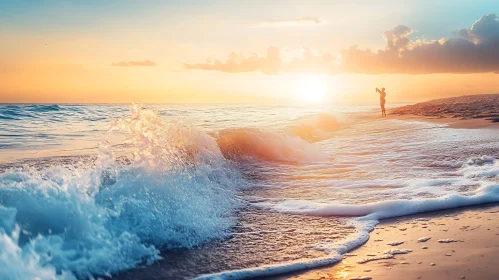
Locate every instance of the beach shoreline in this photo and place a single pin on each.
(462, 244)
(468, 111)
(470, 231)
(449, 122)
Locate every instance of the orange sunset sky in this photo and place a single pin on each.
(246, 51)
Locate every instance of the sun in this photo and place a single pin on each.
(311, 88)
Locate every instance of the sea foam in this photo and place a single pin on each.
(364, 217)
(174, 189)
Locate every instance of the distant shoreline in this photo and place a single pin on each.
(473, 110)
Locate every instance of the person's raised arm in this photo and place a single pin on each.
(377, 90)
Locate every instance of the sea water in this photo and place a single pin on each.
(218, 191)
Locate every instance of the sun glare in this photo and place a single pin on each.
(311, 88)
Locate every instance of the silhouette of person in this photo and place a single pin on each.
(382, 101)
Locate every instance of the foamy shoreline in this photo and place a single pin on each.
(366, 225)
(481, 111)
(447, 244)
(462, 244)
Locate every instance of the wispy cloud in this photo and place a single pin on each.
(272, 63)
(304, 21)
(474, 50)
(134, 63)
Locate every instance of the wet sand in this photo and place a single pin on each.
(260, 238)
(463, 244)
(449, 121)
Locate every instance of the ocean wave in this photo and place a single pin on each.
(52, 112)
(42, 107)
(19, 112)
(13, 112)
(240, 143)
(81, 220)
(316, 127)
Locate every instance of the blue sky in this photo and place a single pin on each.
(361, 21)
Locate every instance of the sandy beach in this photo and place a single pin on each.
(454, 244)
(469, 111)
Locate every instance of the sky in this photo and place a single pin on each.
(195, 51)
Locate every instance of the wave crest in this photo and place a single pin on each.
(240, 143)
(315, 127)
(174, 189)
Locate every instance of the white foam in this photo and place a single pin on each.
(376, 258)
(270, 270)
(447, 240)
(483, 167)
(76, 221)
(424, 239)
(369, 214)
(389, 208)
(397, 251)
(395, 243)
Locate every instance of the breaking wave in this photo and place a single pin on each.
(240, 143)
(316, 127)
(173, 189)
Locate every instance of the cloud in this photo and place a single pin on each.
(134, 63)
(304, 21)
(474, 50)
(272, 63)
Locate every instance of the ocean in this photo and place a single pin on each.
(219, 191)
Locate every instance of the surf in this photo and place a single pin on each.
(66, 221)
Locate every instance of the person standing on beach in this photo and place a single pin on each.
(382, 101)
